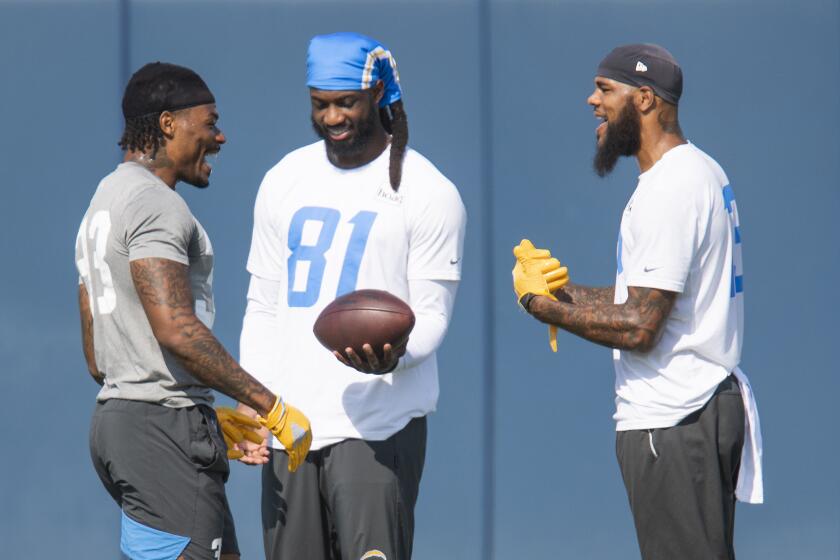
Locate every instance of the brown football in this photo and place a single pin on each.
(374, 317)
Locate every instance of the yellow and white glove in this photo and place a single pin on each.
(236, 428)
(537, 273)
(291, 427)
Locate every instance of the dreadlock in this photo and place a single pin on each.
(396, 124)
(142, 133)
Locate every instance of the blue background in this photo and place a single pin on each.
(521, 452)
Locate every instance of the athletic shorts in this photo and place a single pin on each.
(350, 501)
(166, 468)
(681, 480)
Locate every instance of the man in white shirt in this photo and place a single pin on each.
(356, 210)
(674, 317)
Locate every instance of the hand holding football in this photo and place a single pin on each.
(373, 317)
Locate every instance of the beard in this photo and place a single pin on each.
(358, 141)
(623, 137)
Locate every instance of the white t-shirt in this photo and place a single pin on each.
(680, 232)
(320, 232)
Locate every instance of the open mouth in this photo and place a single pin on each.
(602, 125)
(601, 129)
(209, 160)
(338, 133)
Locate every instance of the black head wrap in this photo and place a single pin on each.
(645, 65)
(160, 86)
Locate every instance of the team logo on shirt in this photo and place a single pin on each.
(373, 555)
(389, 195)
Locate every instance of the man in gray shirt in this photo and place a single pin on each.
(146, 304)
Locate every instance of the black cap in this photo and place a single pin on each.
(645, 65)
(160, 86)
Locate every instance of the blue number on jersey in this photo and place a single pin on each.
(362, 222)
(314, 254)
(737, 285)
(618, 248)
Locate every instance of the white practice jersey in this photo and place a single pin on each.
(680, 232)
(321, 232)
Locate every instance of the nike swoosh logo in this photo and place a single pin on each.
(454, 261)
(651, 268)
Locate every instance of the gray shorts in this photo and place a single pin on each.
(166, 468)
(681, 480)
(348, 501)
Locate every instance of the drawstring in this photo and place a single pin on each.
(652, 448)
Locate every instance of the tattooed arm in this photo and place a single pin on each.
(87, 335)
(634, 325)
(164, 289)
(585, 295)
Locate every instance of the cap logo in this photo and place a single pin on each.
(640, 67)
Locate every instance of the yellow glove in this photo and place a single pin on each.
(556, 276)
(291, 427)
(236, 428)
(537, 273)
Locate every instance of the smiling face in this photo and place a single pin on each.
(348, 121)
(194, 137)
(619, 133)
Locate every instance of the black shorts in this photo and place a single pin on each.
(352, 500)
(681, 480)
(166, 468)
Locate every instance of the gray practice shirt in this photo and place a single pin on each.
(134, 215)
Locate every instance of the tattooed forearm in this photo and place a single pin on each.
(164, 289)
(584, 295)
(634, 325)
(87, 335)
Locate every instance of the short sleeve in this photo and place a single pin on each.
(265, 258)
(436, 238)
(665, 227)
(158, 224)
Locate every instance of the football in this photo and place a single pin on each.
(374, 317)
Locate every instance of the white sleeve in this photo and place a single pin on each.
(431, 301)
(665, 227)
(436, 237)
(260, 328)
(266, 256)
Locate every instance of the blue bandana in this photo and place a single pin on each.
(351, 62)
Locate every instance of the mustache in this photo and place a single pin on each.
(623, 137)
(357, 143)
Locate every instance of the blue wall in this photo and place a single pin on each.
(495, 94)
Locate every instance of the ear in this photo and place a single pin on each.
(645, 99)
(378, 91)
(167, 124)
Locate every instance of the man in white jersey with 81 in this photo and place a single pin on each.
(356, 210)
(688, 440)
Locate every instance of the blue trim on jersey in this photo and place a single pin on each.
(139, 542)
